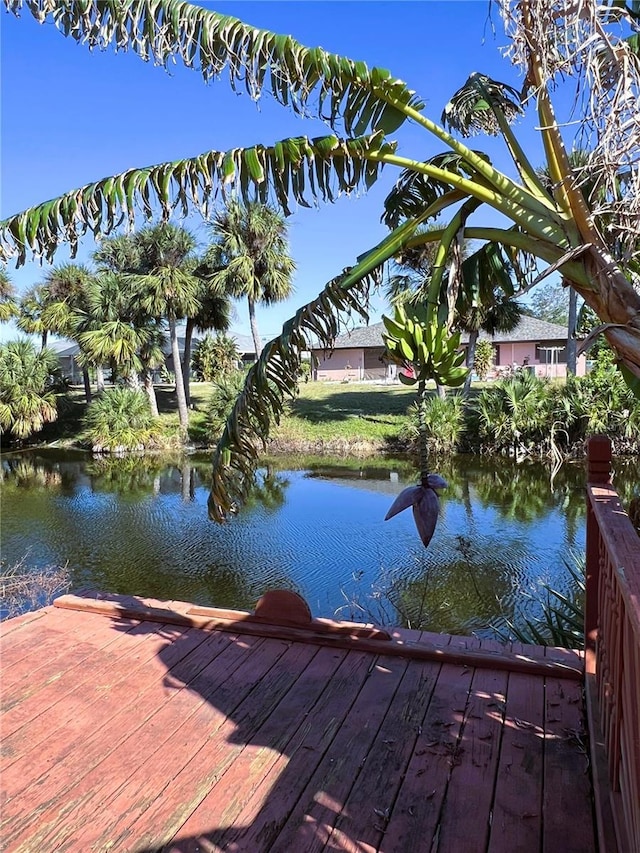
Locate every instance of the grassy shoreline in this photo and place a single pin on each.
(326, 418)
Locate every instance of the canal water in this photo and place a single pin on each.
(314, 525)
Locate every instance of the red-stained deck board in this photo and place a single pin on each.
(273, 797)
(363, 820)
(202, 744)
(263, 761)
(567, 781)
(135, 736)
(311, 821)
(516, 823)
(29, 786)
(106, 759)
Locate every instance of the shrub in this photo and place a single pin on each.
(223, 396)
(119, 420)
(28, 383)
(214, 356)
(514, 414)
(483, 358)
(444, 423)
(600, 402)
(23, 589)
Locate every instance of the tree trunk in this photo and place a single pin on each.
(571, 332)
(254, 327)
(43, 340)
(471, 356)
(87, 384)
(186, 358)
(99, 379)
(151, 392)
(183, 411)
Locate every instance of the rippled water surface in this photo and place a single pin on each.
(140, 526)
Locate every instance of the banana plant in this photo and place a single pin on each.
(414, 339)
(549, 40)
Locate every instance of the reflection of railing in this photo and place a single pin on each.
(612, 628)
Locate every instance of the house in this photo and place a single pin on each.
(358, 355)
(67, 352)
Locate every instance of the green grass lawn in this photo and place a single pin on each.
(344, 413)
(323, 416)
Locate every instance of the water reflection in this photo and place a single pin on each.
(140, 526)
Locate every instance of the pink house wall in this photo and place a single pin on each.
(342, 364)
(515, 353)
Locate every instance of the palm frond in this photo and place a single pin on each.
(309, 80)
(296, 169)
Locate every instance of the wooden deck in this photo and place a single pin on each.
(190, 730)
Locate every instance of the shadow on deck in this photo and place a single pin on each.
(185, 729)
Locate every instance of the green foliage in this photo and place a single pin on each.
(600, 402)
(8, 303)
(119, 420)
(513, 414)
(28, 383)
(550, 302)
(559, 616)
(443, 423)
(223, 396)
(483, 358)
(214, 356)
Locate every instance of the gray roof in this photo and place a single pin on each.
(529, 329)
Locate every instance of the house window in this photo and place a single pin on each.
(551, 353)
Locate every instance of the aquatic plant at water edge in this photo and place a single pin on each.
(23, 588)
(560, 617)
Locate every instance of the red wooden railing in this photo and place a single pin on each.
(612, 640)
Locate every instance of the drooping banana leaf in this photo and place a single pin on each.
(311, 81)
(273, 379)
(297, 169)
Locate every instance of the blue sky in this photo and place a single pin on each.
(70, 116)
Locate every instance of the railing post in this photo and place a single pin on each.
(598, 473)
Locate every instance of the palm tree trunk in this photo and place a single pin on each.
(571, 332)
(87, 384)
(186, 358)
(254, 327)
(183, 411)
(99, 379)
(151, 392)
(43, 340)
(471, 356)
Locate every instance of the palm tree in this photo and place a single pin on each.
(213, 313)
(27, 398)
(8, 305)
(549, 40)
(30, 320)
(167, 287)
(251, 257)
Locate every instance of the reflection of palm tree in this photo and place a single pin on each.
(268, 490)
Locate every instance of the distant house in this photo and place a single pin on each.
(358, 355)
(67, 352)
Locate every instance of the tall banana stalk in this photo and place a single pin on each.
(549, 38)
